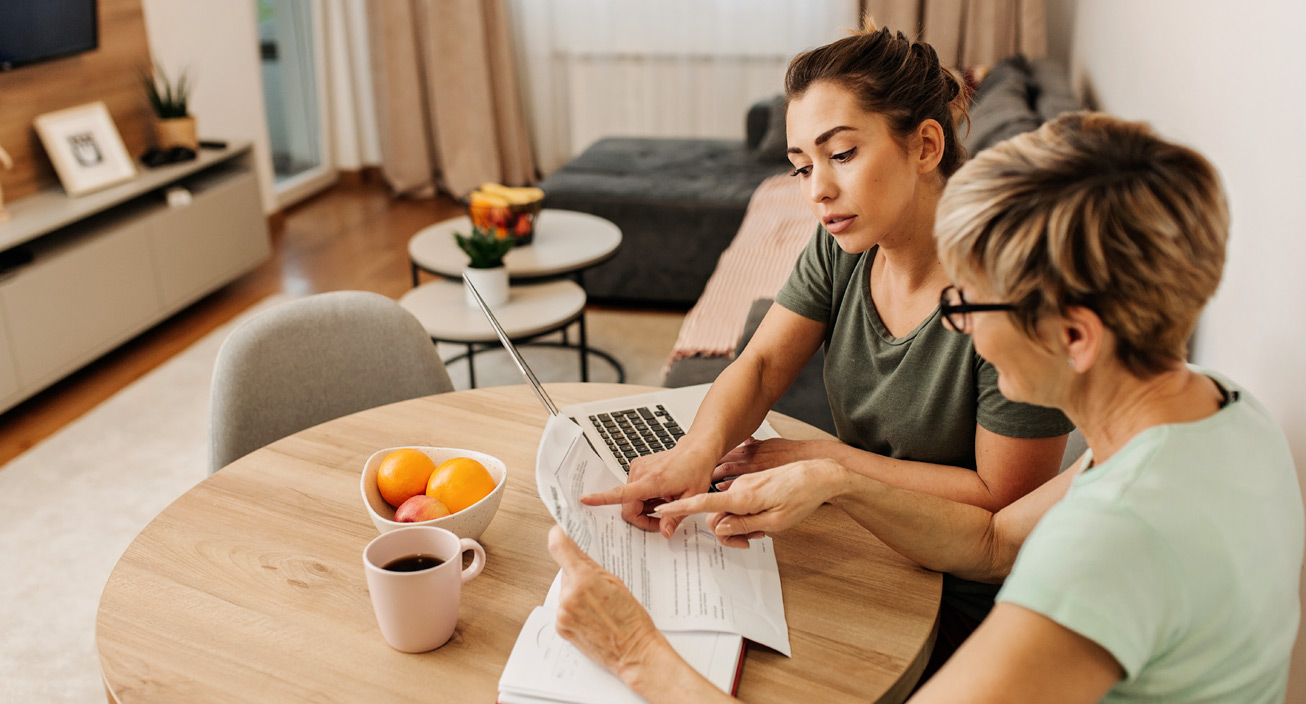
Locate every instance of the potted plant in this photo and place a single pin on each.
(485, 269)
(174, 126)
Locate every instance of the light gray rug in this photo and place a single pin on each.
(72, 504)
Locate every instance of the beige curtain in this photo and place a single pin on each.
(968, 33)
(448, 110)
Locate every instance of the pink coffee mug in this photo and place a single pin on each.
(417, 611)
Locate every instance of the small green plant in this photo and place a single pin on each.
(168, 99)
(485, 250)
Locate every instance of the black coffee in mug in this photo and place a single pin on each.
(413, 563)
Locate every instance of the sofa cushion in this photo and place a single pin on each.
(1002, 107)
(755, 122)
(678, 203)
(661, 169)
(773, 148)
(1051, 89)
(776, 227)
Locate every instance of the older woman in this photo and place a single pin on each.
(1165, 565)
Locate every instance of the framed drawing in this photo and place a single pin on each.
(85, 147)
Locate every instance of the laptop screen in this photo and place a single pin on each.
(512, 350)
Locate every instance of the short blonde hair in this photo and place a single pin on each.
(1090, 210)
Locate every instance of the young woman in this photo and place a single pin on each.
(1165, 565)
(871, 124)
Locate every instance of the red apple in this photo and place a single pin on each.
(420, 508)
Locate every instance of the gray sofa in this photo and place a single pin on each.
(678, 203)
(1015, 96)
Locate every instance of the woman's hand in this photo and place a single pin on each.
(599, 615)
(769, 501)
(677, 473)
(756, 455)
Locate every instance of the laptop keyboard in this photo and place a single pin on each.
(637, 432)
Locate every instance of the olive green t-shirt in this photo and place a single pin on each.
(916, 397)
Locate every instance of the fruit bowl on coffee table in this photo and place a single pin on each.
(457, 493)
(506, 213)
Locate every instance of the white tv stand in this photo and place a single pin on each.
(107, 265)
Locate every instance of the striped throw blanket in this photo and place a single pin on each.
(776, 226)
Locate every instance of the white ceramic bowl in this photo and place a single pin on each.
(467, 523)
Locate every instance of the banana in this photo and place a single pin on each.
(518, 196)
(488, 198)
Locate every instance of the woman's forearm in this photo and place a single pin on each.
(735, 406)
(936, 533)
(663, 676)
(944, 481)
(939, 534)
(742, 395)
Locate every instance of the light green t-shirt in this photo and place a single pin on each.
(1180, 555)
(916, 397)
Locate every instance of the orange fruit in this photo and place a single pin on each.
(403, 474)
(460, 482)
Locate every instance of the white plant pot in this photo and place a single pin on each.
(492, 284)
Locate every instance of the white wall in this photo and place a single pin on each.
(1226, 79)
(217, 41)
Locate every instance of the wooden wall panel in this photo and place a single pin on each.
(110, 73)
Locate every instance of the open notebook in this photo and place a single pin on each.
(545, 669)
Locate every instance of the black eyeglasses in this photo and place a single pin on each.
(954, 308)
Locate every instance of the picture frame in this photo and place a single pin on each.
(84, 145)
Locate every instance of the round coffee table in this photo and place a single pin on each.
(564, 245)
(565, 242)
(532, 310)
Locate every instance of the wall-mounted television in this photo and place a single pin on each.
(32, 31)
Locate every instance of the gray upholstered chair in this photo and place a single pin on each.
(314, 359)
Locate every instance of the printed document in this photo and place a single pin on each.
(689, 582)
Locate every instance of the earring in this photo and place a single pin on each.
(1071, 362)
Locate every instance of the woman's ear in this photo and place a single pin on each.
(929, 135)
(1084, 337)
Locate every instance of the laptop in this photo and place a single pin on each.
(623, 428)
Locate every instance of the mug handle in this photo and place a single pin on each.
(478, 561)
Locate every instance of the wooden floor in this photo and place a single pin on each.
(351, 237)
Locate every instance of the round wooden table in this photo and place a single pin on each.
(250, 587)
